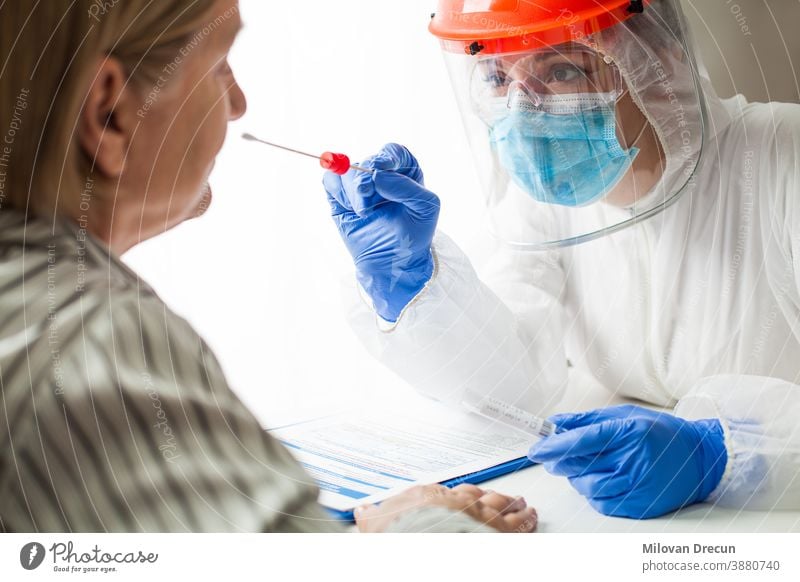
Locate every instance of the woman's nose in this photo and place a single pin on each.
(237, 101)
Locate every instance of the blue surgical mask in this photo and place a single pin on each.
(569, 159)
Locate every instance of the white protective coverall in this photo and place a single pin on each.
(696, 308)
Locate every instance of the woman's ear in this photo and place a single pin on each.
(108, 118)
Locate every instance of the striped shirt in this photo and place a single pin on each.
(117, 417)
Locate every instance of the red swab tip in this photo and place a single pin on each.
(336, 163)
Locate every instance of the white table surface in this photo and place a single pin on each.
(562, 509)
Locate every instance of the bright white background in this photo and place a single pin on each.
(259, 276)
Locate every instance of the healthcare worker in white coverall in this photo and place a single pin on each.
(649, 233)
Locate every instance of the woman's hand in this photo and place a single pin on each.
(500, 512)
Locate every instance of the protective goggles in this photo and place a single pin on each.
(562, 80)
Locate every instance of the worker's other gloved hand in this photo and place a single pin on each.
(629, 461)
(387, 220)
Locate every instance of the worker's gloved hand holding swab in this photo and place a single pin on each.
(387, 219)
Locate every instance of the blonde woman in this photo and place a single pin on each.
(115, 416)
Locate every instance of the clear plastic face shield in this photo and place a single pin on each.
(578, 140)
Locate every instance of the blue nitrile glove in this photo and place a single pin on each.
(629, 461)
(387, 220)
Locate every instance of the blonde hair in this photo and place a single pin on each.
(49, 51)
